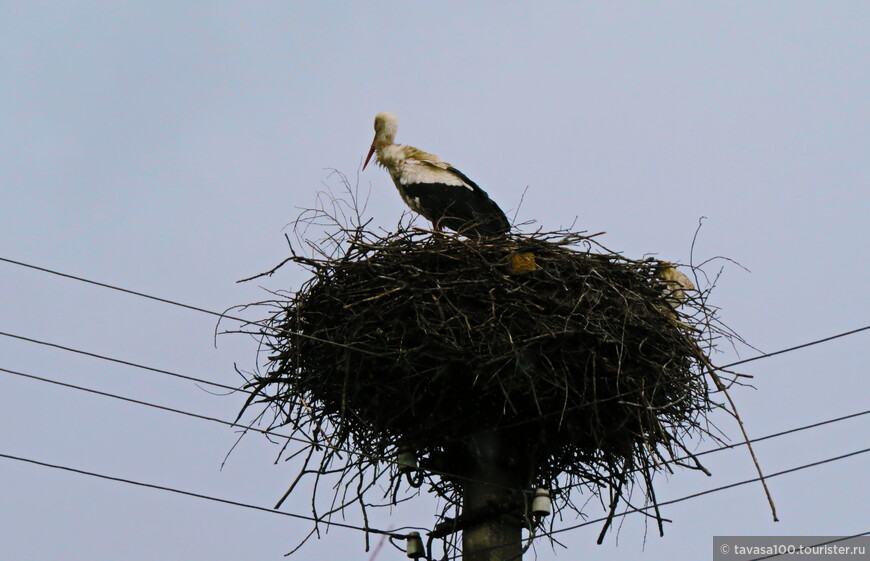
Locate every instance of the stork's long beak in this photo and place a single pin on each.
(369, 157)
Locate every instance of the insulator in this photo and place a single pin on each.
(415, 546)
(406, 460)
(541, 505)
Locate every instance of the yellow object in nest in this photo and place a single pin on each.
(522, 263)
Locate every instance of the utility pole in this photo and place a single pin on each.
(492, 502)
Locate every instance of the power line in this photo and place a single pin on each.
(165, 408)
(199, 496)
(754, 440)
(145, 403)
(687, 497)
(781, 433)
(391, 534)
(399, 536)
(227, 423)
(716, 490)
(181, 304)
(388, 460)
(525, 421)
(714, 368)
(835, 540)
(124, 362)
(120, 289)
(156, 406)
(222, 315)
(202, 310)
(268, 432)
(804, 345)
(250, 322)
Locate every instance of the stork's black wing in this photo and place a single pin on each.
(467, 210)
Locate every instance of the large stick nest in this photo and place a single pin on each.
(423, 339)
(588, 370)
(420, 341)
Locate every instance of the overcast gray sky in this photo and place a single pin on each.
(163, 147)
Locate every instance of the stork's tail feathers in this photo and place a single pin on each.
(490, 222)
(490, 225)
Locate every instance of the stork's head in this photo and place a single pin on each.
(386, 125)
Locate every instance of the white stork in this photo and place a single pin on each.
(432, 187)
(677, 283)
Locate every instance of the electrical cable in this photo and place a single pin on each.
(156, 406)
(390, 460)
(223, 315)
(686, 497)
(717, 489)
(267, 432)
(148, 404)
(617, 396)
(398, 536)
(796, 347)
(518, 423)
(754, 440)
(525, 421)
(179, 304)
(120, 289)
(199, 495)
(250, 322)
(836, 540)
(124, 362)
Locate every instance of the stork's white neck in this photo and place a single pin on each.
(390, 156)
